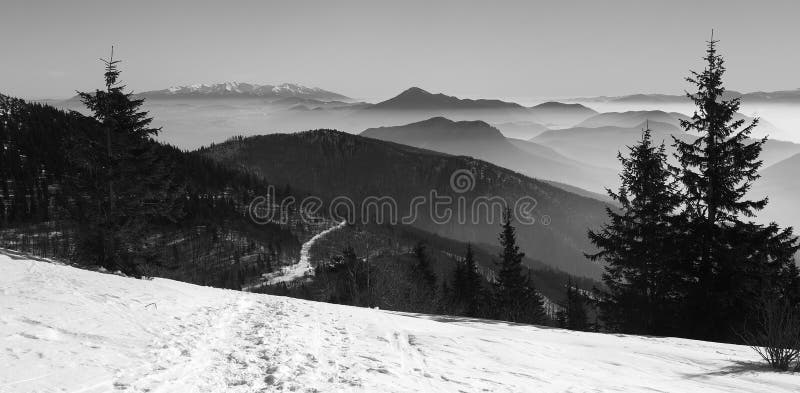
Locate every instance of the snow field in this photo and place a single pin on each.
(64, 329)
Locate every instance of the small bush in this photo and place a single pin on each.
(776, 335)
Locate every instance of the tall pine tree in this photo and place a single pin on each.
(733, 262)
(119, 184)
(516, 299)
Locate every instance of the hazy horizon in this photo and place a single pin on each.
(371, 50)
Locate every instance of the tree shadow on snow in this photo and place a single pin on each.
(456, 319)
(737, 367)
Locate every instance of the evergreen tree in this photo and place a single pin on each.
(467, 285)
(638, 246)
(473, 284)
(516, 299)
(733, 262)
(458, 283)
(423, 268)
(425, 296)
(356, 276)
(561, 318)
(575, 312)
(121, 184)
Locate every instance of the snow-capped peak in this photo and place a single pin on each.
(283, 90)
(293, 88)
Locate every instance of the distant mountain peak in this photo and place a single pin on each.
(416, 93)
(416, 98)
(441, 120)
(438, 128)
(434, 120)
(560, 115)
(415, 90)
(634, 119)
(558, 105)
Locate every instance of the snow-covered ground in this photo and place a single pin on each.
(64, 329)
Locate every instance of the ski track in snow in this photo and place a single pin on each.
(63, 329)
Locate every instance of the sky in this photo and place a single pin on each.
(374, 49)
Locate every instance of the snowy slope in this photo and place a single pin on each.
(64, 329)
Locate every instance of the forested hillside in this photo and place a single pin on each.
(211, 241)
(329, 164)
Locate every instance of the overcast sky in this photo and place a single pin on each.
(374, 49)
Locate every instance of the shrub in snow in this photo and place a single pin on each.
(776, 336)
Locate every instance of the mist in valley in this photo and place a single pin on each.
(544, 144)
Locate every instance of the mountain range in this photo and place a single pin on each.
(598, 146)
(520, 129)
(760, 97)
(249, 90)
(416, 104)
(781, 184)
(634, 118)
(596, 140)
(411, 99)
(480, 140)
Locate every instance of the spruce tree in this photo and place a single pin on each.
(734, 261)
(638, 246)
(467, 285)
(516, 299)
(575, 313)
(473, 284)
(458, 284)
(120, 182)
(355, 277)
(427, 296)
(423, 269)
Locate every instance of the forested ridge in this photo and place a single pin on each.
(209, 240)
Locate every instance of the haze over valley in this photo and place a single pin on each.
(572, 143)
